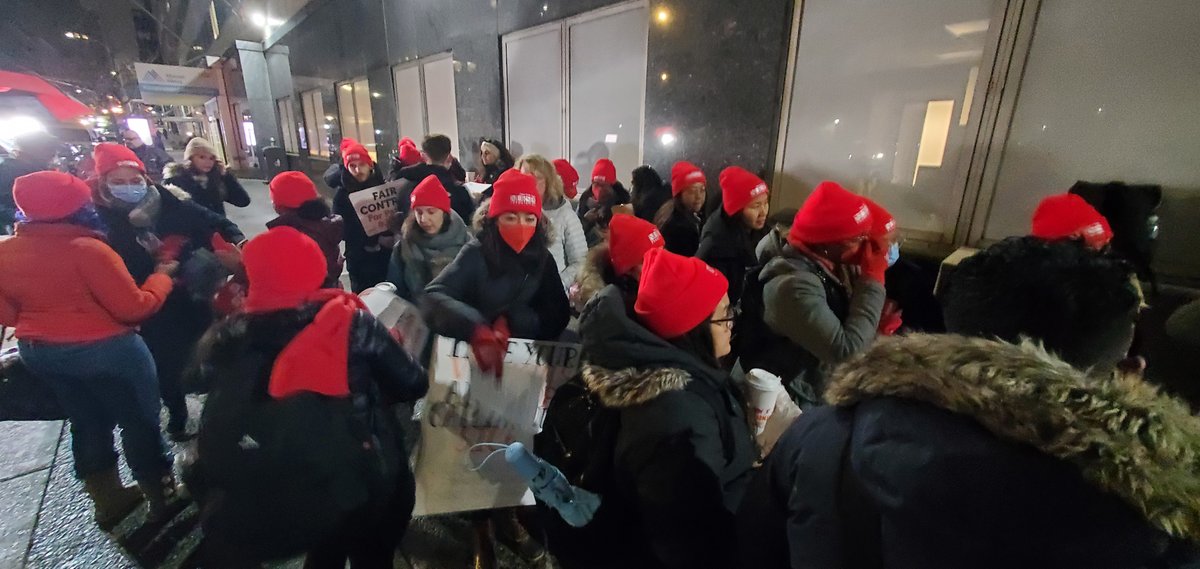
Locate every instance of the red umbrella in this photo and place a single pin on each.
(63, 107)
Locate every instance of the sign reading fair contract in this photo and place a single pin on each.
(376, 205)
(465, 407)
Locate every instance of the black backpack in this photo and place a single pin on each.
(277, 476)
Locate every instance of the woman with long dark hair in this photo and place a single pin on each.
(681, 218)
(204, 177)
(728, 240)
(430, 238)
(494, 159)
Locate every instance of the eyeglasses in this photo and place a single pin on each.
(731, 315)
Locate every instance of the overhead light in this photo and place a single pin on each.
(662, 15)
(197, 48)
(77, 91)
(967, 28)
(113, 73)
(376, 94)
(262, 21)
(348, 87)
(664, 76)
(667, 139)
(328, 117)
(77, 36)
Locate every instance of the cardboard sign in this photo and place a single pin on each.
(465, 407)
(376, 205)
(403, 318)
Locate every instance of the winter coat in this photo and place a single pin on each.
(419, 257)
(221, 187)
(63, 284)
(10, 170)
(358, 244)
(683, 453)
(588, 202)
(567, 244)
(950, 452)
(155, 160)
(327, 232)
(910, 285)
(812, 308)
(473, 291)
(681, 232)
(647, 201)
(460, 198)
(729, 248)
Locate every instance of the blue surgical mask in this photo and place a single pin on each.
(129, 193)
(893, 254)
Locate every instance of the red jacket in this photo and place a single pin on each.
(61, 283)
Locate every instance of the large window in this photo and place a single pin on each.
(287, 123)
(425, 98)
(577, 88)
(354, 110)
(316, 124)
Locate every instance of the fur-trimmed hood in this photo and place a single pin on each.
(591, 274)
(1124, 436)
(632, 386)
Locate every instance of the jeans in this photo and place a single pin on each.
(101, 385)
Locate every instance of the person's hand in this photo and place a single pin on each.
(387, 241)
(488, 351)
(873, 260)
(891, 319)
(500, 328)
(168, 268)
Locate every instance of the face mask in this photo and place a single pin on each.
(893, 254)
(129, 193)
(517, 236)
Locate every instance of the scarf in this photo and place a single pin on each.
(426, 255)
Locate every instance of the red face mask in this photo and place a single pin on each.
(517, 235)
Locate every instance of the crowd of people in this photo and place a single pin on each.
(1003, 423)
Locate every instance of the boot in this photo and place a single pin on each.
(485, 552)
(161, 494)
(112, 500)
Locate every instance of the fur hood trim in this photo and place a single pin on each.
(178, 192)
(173, 169)
(632, 386)
(1124, 436)
(591, 274)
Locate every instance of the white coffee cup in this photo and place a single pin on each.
(763, 389)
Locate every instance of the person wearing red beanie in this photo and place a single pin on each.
(75, 309)
(1068, 216)
(367, 256)
(294, 339)
(569, 177)
(433, 159)
(818, 300)
(596, 204)
(730, 236)
(684, 449)
(300, 207)
(618, 261)
(430, 238)
(682, 218)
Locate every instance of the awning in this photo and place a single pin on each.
(58, 104)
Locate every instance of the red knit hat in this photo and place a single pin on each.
(677, 293)
(352, 152)
(431, 193)
(285, 269)
(604, 171)
(829, 215)
(409, 155)
(515, 191)
(629, 238)
(406, 141)
(49, 195)
(684, 174)
(570, 177)
(882, 221)
(738, 188)
(1068, 216)
(291, 189)
(109, 157)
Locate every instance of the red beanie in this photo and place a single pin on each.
(291, 189)
(677, 293)
(49, 195)
(1068, 216)
(283, 266)
(882, 221)
(684, 174)
(517, 192)
(406, 141)
(431, 193)
(570, 178)
(829, 215)
(352, 152)
(409, 155)
(738, 188)
(109, 157)
(604, 171)
(629, 238)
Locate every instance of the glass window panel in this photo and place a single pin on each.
(409, 110)
(362, 110)
(440, 104)
(533, 71)
(345, 99)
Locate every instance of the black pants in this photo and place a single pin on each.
(172, 336)
(369, 538)
(367, 269)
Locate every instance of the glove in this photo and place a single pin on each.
(873, 260)
(890, 320)
(228, 254)
(488, 350)
(219, 244)
(170, 248)
(500, 328)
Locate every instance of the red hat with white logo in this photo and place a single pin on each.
(431, 193)
(683, 175)
(604, 171)
(629, 238)
(570, 177)
(1068, 216)
(353, 152)
(109, 157)
(882, 221)
(830, 214)
(677, 293)
(738, 188)
(515, 192)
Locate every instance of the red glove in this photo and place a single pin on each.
(890, 320)
(488, 350)
(172, 246)
(219, 244)
(500, 328)
(873, 260)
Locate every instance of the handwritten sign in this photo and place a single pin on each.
(465, 407)
(376, 205)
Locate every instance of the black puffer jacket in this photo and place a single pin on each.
(681, 232)
(950, 452)
(473, 291)
(460, 198)
(684, 451)
(729, 248)
(222, 187)
(358, 244)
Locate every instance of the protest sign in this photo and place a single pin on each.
(465, 407)
(376, 205)
(400, 316)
